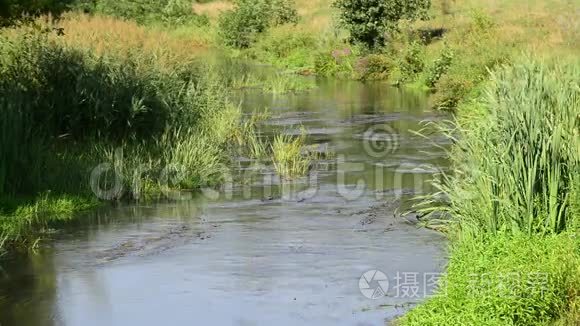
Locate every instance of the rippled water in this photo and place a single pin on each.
(268, 252)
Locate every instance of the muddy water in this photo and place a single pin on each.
(261, 252)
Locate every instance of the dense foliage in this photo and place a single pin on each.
(513, 201)
(65, 110)
(15, 9)
(241, 26)
(143, 11)
(369, 21)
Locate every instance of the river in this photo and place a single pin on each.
(262, 251)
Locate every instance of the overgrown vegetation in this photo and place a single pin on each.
(143, 11)
(507, 280)
(14, 10)
(241, 26)
(517, 162)
(513, 203)
(66, 111)
(129, 95)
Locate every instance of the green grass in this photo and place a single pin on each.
(23, 220)
(288, 156)
(154, 126)
(515, 164)
(513, 202)
(506, 280)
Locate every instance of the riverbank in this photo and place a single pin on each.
(449, 55)
(274, 241)
(514, 204)
(98, 110)
(85, 122)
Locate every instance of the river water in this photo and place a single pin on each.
(263, 251)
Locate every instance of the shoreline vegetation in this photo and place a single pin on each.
(122, 81)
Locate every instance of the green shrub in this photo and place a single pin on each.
(336, 63)
(240, 27)
(374, 67)
(411, 61)
(439, 67)
(481, 21)
(451, 90)
(283, 12)
(368, 21)
(285, 46)
(145, 11)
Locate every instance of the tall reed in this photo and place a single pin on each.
(517, 165)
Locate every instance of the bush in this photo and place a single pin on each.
(439, 67)
(287, 46)
(412, 61)
(368, 21)
(283, 12)
(69, 92)
(11, 10)
(374, 67)
(336, 63)
(240, 27)
(62, 106)
(451, 90)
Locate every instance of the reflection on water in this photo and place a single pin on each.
(269, 252)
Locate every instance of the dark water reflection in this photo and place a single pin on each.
(269, 253)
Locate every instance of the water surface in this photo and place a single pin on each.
(268, 252)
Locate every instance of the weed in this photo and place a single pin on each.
(288, 157)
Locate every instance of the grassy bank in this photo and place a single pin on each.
(97, 109)
(507, 280)
(111, 120)
(514, 204)
(449, 54)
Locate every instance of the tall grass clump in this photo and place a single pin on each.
(288, 156)
(513, 204)
(173, 12)
(515, 166)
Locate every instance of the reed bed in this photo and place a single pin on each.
(513, 203)
(518, 165)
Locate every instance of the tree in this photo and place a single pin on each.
(15, 9)
(368, 21)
